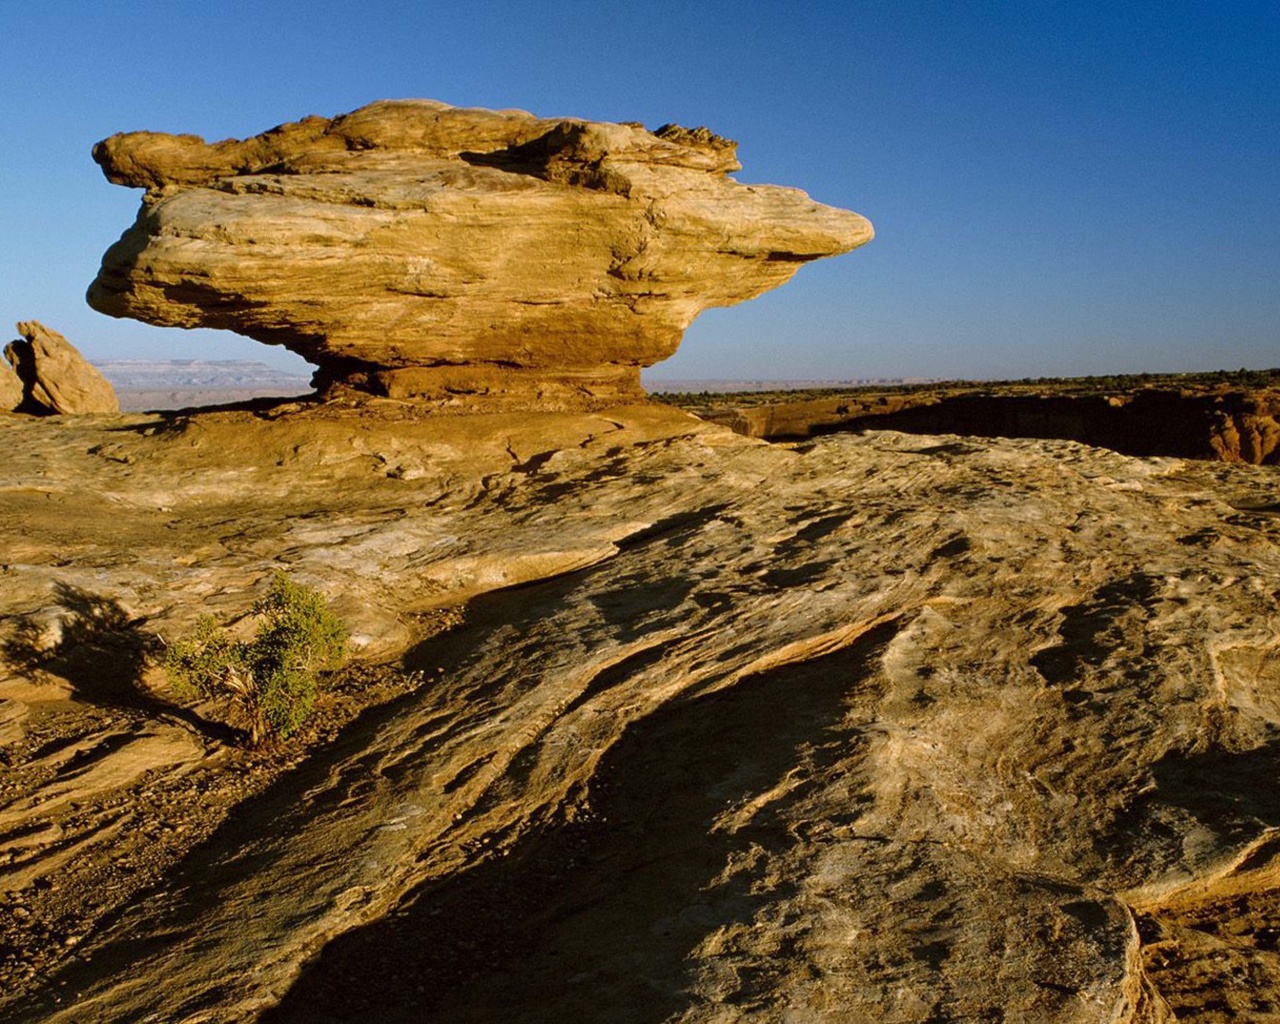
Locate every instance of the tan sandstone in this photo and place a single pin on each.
(10, 387)
(879, 727)
(461, 256)
(893, 728)
(54, 376)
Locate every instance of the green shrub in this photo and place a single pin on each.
(273, 677)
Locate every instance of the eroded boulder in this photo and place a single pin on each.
(10, 388)
(52, 375)
(419, 250)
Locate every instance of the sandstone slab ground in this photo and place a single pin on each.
(876, 727)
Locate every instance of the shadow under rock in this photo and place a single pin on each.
(594, 919)
(177, 421)
(102, 652)
(1232, 793)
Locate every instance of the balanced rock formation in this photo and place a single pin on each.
(53, 376)
(419, 250)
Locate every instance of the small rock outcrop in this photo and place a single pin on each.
(52, 375)
(10, 388)
(457, 256)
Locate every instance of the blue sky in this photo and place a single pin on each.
(1058, 188)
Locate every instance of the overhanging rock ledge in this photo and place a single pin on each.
(464, 258)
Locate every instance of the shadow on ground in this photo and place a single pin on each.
(594, 919)
(1233, 793)
(102, 652)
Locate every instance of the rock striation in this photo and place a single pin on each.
(878, 727)
(52, 376)
(458, 256)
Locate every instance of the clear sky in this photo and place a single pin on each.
(1059, 187)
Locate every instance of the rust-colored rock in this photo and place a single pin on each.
(53, 376)
(1223, 424)
(464, 256)
(1246, 428)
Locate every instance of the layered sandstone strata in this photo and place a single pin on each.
(419, 250)
(877, 728)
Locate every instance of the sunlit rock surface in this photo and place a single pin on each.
(52, 375)
(10, 387)
(885, 727)
(1204, 422)
(458, 256)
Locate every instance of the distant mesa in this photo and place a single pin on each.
(462, 258)
(212, 374)
(159, 385)
(45, 374)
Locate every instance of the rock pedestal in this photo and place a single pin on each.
(461, 256)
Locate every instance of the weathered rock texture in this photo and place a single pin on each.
(10, 388)
(884, 728)
(1229, 425)
(53, 376)
(415, 249)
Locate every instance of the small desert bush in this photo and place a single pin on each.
(273, 678)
